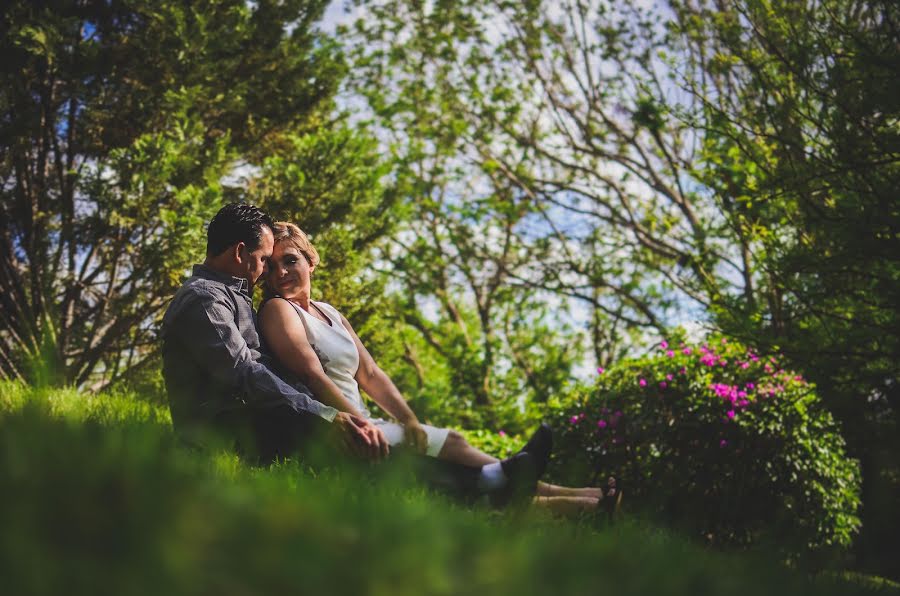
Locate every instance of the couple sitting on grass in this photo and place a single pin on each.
(299, 384)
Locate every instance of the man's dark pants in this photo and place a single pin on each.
(265, 435)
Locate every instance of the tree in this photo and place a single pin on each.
(330, 180)
(732, 160)
(502, 126)
(119, 121)
(456, 272)
(798, 107)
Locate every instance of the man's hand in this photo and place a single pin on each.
(360, 437)
(415, 436)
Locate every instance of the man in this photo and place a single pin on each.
(215, 372)
(218, 379)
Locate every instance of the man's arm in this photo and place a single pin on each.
(207, 328)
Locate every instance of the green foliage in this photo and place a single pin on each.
(118, 507)
(330, 183)
(799, 161)
(500, 444)
(799, 112)
(720, 440)
(465, 276)
(740, 158)
(120, 121)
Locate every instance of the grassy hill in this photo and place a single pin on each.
(97, 497)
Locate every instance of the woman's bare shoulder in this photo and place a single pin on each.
(277, 307)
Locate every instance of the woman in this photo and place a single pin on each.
(316, 343)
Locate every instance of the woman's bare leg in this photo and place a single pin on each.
(458, 450)
(566, 506)
(545, 489)
(553, 490)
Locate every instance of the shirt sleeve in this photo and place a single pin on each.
(208, 330)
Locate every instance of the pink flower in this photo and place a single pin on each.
(708, 359)
(724, 341)
(683, 371)
(750, 386)
(687, 351)
(745, 365)
(600, 370)
(502, 433)
(662, 385)
(670, 353)
(574, 419)
(723, 443)
(730, 414)
(663, 344)
(601, 423)
(642, 382)
(669, 377)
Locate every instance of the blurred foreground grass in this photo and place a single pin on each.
(96, 497)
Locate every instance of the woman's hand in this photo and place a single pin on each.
(360, 437)
(415, 436)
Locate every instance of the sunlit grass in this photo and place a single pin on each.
(96, 496)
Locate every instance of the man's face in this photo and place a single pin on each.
(255, 265)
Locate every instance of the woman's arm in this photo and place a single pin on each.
(377, 384)
(284, 333)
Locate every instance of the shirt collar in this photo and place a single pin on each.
(238, 284)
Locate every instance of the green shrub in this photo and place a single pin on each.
(499, 444)
(718, 439)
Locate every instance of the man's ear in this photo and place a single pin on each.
(239, 253)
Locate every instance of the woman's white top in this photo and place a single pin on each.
(336, 350)
(339, 357)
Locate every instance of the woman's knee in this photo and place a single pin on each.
(455, 438)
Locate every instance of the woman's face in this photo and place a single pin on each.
(289, 271)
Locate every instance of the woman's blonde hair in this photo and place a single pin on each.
(285, 231)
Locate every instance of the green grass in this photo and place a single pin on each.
(96, 497)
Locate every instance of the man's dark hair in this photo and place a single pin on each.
(236, 222)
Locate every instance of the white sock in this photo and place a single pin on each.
(492, 477)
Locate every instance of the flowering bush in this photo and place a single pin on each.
(716, 438)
